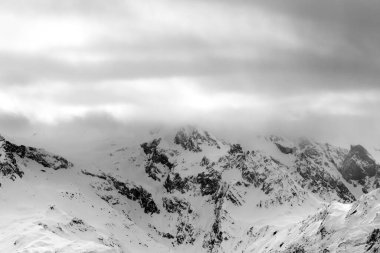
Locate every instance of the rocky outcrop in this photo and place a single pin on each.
(204, 162)
(185, 233)
(8, 163)
(284, 149)
(315, 163)
(176, 205)
(47, 160)
(130, 191)
(176, 182)
(155, 158)
(214, 238)
(373, 241)
(282, 144)
(209, 182)
(191, 139)
(9, 152)
(318, 180)
(358, 165)
(235, 149)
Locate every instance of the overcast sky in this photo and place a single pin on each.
(96, 68)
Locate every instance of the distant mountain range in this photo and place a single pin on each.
(189, 191)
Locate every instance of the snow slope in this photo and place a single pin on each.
(337, 227)
(184, 191)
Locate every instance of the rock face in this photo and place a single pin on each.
(209, 182)
(8, 163)
(285, 150)
(10, 153)
(176, 182)
(359, 164)
(314, 163)
(373, 241)
(359, 168)
(283, 145)
(176, 205)
(155, 158)
(126, 189)
(191, 139)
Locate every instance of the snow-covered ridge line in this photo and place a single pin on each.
(188, 191)
(11, 155)
(335, 228)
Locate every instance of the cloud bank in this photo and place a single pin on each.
(292, 67)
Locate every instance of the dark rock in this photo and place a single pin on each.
(236, 200)
(296, 249)
(209, 182)
(235, 149)
(316, 180)
(101, 176)
(323, 232)
(151, 147)
(191, 139)
(176, 205)
(358, 164)
(12, 148)
(252, 176)
(9, 166)
(163, 234)
(185, 233)
(205, 161)
(175, 182)
(373, 241)
(38, 155)
(285, 150)
(187, 142)
(50, 161)
(132, 192)
(168, 235)
(315, 177)
(137, 193)
(214, 238)
(77, 221)
(155, 156)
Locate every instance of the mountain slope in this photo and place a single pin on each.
(337, 227)
(181, 191)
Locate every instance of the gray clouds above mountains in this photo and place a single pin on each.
(261, 64)
(303, 40)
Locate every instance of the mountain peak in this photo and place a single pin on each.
(283, 144)
(360, 151)
(359, 164)
(192, 139)
(11, 153)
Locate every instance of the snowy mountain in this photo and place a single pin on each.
(11, 156)
(189, 191)
(337, 227)
(359, 168)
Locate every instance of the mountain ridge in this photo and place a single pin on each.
(188, 191)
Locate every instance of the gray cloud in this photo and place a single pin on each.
(13, 123)
(309, 67)
(338, 46)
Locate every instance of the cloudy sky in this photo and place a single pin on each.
(96, 68)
